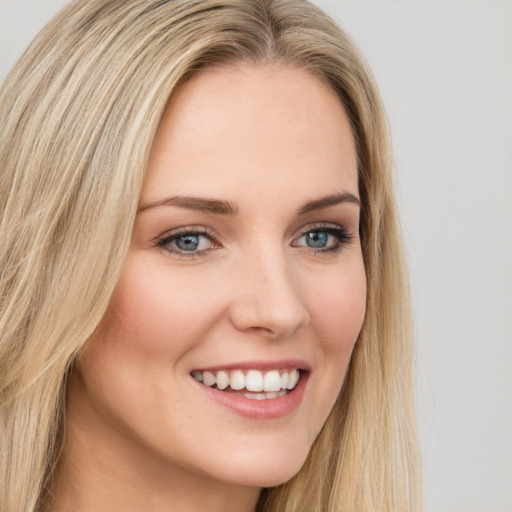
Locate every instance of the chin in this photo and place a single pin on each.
(265, 470)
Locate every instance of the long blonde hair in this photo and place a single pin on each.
(78, 113)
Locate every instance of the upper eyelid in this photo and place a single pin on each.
(186, 230)
(205, 230)
(317, 226)
(331, 229)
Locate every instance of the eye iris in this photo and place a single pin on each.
(316, 239)
(188, 242)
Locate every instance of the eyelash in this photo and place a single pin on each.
(342, 236)
(167, 239)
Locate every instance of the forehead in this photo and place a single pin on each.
(256, 127)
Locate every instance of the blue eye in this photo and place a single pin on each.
(187, 242)
(330, 238)
(316, 239)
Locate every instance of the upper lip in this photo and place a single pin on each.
(282, 364)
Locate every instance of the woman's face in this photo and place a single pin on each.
(245, 270)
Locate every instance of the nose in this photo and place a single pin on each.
(267, 298)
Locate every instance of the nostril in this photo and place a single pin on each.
(258, 315)
(265, 297)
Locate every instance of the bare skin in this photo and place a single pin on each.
(261, 265)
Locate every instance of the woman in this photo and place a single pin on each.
(203, 296)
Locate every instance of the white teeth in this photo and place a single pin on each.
(222, 380)
(237, 380)
(254, 381)
(256, 396)
(262, 385)
(208, 378)
(272, 381)
(293, 378)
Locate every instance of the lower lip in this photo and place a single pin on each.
(270, 408)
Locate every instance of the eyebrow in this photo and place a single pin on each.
(195, 203)
(222, 207)
(326, 202)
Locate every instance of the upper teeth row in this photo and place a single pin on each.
(252, 380)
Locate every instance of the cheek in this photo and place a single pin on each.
(338, 309)
(158, 310)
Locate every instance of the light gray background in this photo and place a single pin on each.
(445, 71)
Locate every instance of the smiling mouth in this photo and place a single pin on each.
(252, 384)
